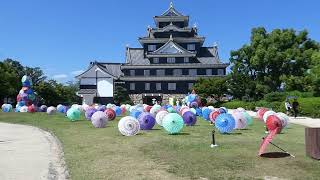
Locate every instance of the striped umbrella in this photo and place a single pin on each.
(129, 126)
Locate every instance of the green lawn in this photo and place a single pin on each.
(93, 153)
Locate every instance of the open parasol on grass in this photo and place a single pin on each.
(146, 121)
(73, 114)
(261, 112)
(225, 123)
(267, 114)
(213, 115)
(189, 118)
(110, 113)
(241, 120)
(99, 119)
(129, 126)
(274, 126)
(160, 116)
(173, 123)
(89, 112)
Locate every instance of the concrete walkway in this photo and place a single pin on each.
(27, 153)
(304, 121)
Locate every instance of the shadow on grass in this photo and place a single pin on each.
(275, 155)
(180, 134)
(235, 133)
(246, 129)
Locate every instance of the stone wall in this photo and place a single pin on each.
(136, 98)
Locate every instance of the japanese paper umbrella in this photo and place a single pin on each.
(248, 117)
(146, 121)
(129, 126)
(213, 115)
(225, 123)
(189, 118)
(172, 123)
(274, 126)
(160, 116)
(99, 119)
(89, 112)
(261, 112)
(241, 120)
(283, 118)
(111, 114)
(267, 114)
(73, 114)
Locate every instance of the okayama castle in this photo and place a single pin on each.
(171, 59)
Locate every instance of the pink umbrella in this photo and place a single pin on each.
(241, 120)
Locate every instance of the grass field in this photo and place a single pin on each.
(93, 153)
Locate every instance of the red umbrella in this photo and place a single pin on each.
(273, 122)
(274, 126)
(261, 112)
(213, 115)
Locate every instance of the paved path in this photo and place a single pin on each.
(304, 121)
(27, 153)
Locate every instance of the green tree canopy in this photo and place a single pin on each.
(269, 60)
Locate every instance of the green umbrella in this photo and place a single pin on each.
(73, 114)
(248, 117)
(173, 123)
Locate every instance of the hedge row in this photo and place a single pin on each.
(308, 106)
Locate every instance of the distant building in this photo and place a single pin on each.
(171, 59)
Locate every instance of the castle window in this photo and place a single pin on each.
(191, 47)
(132, 72)
(146, 72)
(160, 72)
(152, 47)
(192, 72)
(156, 60)
(147, 86)
(132, 86)
(171, 86)
(220, 72)
(186, 60)
(177, 72)
(158, 86)
(171, 60)
(208, 71)
(190, 86)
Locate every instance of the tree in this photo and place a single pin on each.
(211, 87)
(269, 58)
(121, 96)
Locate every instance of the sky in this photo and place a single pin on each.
(63, 36)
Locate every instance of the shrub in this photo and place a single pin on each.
(275, 96)
(235, 104)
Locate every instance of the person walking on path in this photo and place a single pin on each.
(288, 106)
(295, 106)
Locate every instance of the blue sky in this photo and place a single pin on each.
(62, 36)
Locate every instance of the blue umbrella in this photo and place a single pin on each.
(206, 113)
(225, 123)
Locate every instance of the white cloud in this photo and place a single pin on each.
(60, 76)
(75, 73)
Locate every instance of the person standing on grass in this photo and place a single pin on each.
(288, 106)
(295, 106)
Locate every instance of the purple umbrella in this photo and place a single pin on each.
(89, 113)
(189, 118)
(146, 121)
